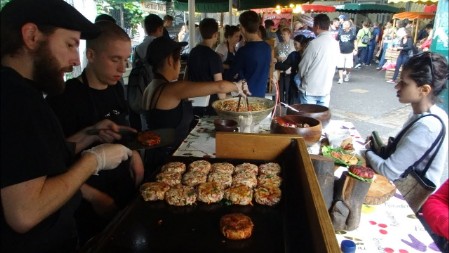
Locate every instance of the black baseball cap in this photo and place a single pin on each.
(55, 13)
(160, 48)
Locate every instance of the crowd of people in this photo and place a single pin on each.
(65, 170)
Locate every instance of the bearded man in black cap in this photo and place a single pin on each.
(39, 189)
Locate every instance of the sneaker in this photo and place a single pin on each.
(340, 80)
(391, 81)
(358, 65)
(347, 78)
(378, 68)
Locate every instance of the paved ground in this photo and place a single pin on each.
(370, 103)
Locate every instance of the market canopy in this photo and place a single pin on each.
(430, 8)
(414, 15)
(259, 4)
(304, 7)
(367, 8)
(317, 8)
(212, 6)
(208, 6)
(414, 1)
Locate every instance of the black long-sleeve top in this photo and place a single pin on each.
(292, 61)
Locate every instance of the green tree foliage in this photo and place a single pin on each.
(3, 2)
(132, 12)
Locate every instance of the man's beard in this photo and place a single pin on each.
(47, 72)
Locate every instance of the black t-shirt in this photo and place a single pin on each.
(32, 146)
(81, 106)
(166, 34)
(202, 65)
(346, 41)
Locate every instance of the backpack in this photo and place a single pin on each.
(366, 39)
(139, 78)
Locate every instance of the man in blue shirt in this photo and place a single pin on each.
(375, 32)
(252, 61)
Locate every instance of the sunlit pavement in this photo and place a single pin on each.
(369, 102)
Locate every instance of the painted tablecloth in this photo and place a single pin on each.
(389, 227)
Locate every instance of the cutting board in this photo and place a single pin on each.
(381, 190)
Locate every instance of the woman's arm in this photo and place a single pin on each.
(409, 149)
(188, 89)
(285, 64)
(173, 93)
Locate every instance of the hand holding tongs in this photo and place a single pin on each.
(243, 91)
(247, 103)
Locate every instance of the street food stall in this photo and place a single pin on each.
(300, 222)
(415, 17)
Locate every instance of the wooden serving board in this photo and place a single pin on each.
(250, 145)
(381, 190)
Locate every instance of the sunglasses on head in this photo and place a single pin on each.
(429, 56)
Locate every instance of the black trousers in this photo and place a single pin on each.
(284, 88)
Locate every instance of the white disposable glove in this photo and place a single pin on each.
(109, 156)
(242, 86)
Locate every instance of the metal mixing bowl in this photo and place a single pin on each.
(258, 116)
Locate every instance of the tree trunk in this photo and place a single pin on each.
(324, 170)
(351, 193)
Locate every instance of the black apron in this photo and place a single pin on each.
(229, 60)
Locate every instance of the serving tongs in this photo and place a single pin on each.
(247, 104)
(290, 107)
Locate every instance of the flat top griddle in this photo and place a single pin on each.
(159, 227)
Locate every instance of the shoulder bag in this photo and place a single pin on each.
(385, 150)
(413, 184)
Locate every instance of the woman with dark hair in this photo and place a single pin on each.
(228, 48)
(423, 78)
(300, 43)
(406, 48)
(166, 100)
